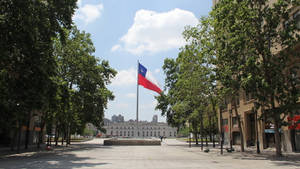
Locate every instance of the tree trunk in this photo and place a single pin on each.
(240, 127)
(213, 140)
(56, 134)
(27, 130)
(69, 135)
(277, 140)
(210, 129)
(19, 137)
(206, 141)
(256, 128)
(277, 135)
(213, 124)
(13, 139)
(62, 138)
(276, 119)
(230, 128)
(42, 126)
(201, 132)
(196, 137)
(56, 138)
(190, 137)
(221, 139)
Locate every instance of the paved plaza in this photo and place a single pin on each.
(172, 154)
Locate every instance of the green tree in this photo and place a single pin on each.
(260, 38)
(189, 83)
(82, 79)
(26, 62)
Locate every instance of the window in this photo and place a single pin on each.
(170, 134)
(174, 133)
(111, 133)
(158, 133)
(128, 133)
(234, 122)
(132, 133)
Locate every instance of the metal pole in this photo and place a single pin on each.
(137, 101)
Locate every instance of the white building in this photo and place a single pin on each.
(143, 129)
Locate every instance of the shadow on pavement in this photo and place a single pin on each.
(60, 157)
(285, 160)
(291, 159)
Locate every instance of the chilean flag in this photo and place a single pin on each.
(143, 80)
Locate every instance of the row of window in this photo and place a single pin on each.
(148, 128)
(144, 134)
(247, 97)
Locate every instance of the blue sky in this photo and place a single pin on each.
(124, 31)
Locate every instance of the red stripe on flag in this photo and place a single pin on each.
(148, 84)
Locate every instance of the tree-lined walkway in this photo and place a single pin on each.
(172, 154)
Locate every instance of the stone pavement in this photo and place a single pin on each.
(172, 154)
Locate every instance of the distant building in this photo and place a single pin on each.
(118, 118)
(144, 129)
(154, 119)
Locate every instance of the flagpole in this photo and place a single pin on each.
(137, 100)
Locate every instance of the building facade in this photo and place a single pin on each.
(252, 127)
(118, 118)
(144, 129)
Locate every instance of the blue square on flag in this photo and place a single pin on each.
(142, 70)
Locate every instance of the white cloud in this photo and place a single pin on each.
(157, 70)
(154, 32)
(131, 95)
(115, 48)
(125, 78)
(88, 12)
(122, 105)
(149, 106)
